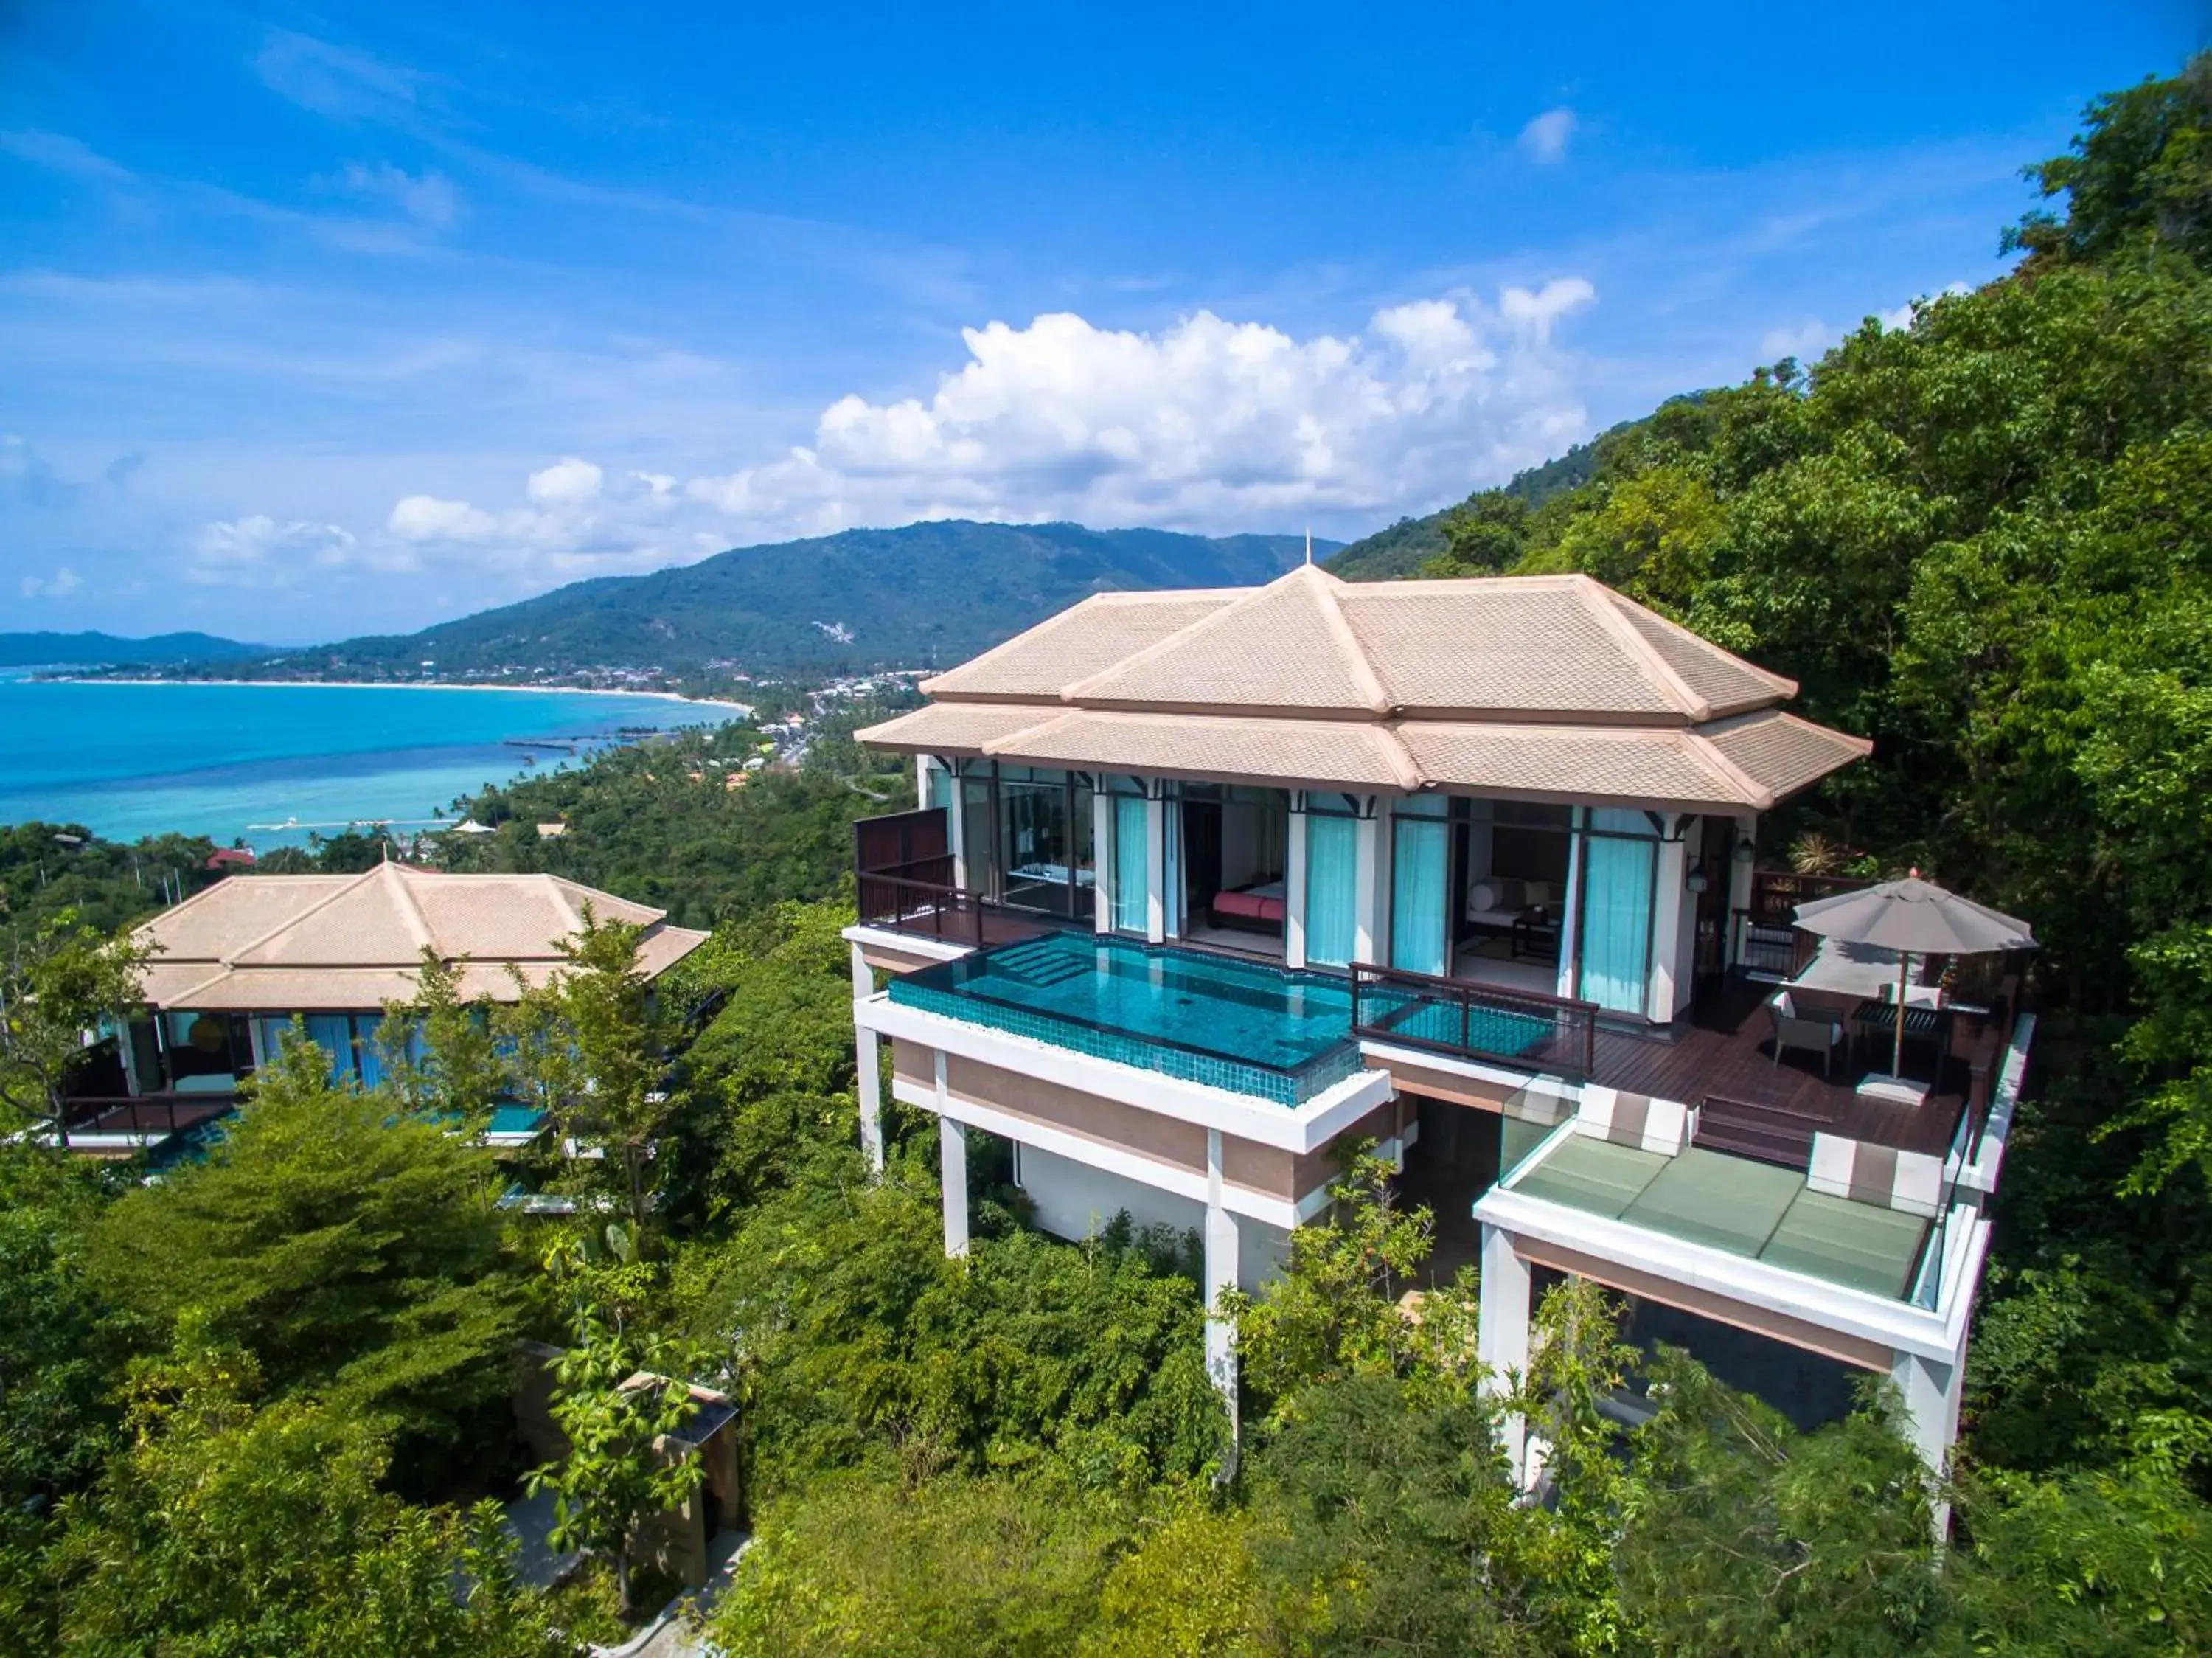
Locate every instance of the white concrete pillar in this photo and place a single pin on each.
(952, 1161)
(1501, 1339)
(1668, 992)
(869, 1080)
(956, 829)
(921, 782)
(1294, 892)
(1739, 880)
(1221, 1269)
(1102, 860)
(1930, 1390)
(1370, 940)
(1570, 916)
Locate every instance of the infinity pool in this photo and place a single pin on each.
(1278, 1034)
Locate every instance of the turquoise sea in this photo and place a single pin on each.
(219, 759)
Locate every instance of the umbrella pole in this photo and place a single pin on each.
(1897, 1059)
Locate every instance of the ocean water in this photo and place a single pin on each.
(221, 760)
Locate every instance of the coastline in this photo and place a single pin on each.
(412, 685)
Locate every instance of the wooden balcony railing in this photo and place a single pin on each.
(1523, 1030)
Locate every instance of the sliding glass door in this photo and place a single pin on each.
(1620, 855)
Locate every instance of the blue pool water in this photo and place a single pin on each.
(1280, 1034)
(128, 760)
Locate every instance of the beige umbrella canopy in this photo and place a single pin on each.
(1914, 918)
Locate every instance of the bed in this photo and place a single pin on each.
(1258, 905)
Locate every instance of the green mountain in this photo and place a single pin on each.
(87, 649)
(1403, 548)
(926, 594)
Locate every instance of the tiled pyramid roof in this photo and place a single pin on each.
(286, 943)
(1545, 686)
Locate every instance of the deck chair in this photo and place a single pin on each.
(1805, 1019)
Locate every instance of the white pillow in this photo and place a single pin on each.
(1484, 897)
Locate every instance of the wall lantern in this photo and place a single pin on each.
(1698, 882)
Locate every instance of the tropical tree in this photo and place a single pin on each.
(59, 983)
(592, 1045)
(440, 1053)
(615, 1400)
(356, 1255)
(234, 1524)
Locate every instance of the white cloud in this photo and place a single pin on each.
(1208, 425)
(1900, 317)
(1537, 311)
(1802, 340)
(62, 583)
(431, 199)
(426, 518)
(262, 550)
(567, 480)
(1545, 139)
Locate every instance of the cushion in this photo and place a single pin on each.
(1537, 893)
(1497, 893)
(1910, 1182)
(1635, 1119)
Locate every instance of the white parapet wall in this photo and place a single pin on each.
(1076, 1202)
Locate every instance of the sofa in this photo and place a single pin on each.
(1496, 902)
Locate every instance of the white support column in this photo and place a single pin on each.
(1501, 1339)
(870, 1077)
(921, 782)
(1294, 892)
(1156, 870)
(1931, 1391)
(1739, 899)
(1571, 917)
(1371, 914)
(952, 1171)
(1664, 994)
(956, 829)
(1102, 860)
(1221, 1269)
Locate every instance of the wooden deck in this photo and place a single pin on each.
(1724, 1055)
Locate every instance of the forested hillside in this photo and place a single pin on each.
(1407, 544)
(161, 651)
(930, 593)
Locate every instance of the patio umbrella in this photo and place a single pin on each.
(1914, 918)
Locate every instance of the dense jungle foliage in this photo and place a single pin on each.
(247, 1408)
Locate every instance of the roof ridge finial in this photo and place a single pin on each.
(1309, 544)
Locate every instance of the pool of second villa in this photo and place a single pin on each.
(1281, 1033)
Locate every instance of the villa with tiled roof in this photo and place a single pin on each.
(233, 966)
(1203, 886)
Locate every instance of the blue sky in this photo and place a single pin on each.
(317, 321)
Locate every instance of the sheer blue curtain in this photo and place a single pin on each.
(333, 1033)
(1616, 912)
(1132, 868)
(1420, 855)
(372, 1061)
(1332, 897)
